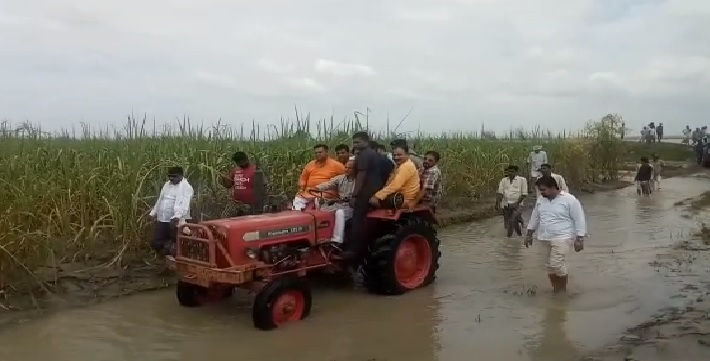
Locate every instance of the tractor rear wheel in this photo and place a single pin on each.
(281, 301)
(403, 260)
(189, 295)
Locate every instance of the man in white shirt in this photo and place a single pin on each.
(536, 159)
(559, 220)
(512, 190)
(546, 170)
(171, 210)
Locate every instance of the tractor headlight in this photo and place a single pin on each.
(251, 253)
(186, 231)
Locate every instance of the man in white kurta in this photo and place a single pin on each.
(546, 170)
(171, 210)
(536, 159)
(558, 219)
(512, 190)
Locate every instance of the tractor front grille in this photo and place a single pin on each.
(195, 249)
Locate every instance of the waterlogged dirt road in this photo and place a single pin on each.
(491, 301)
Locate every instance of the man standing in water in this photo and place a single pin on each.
(171, 210)
(559, 220)
(512, 191)
(546, 170)
(536, 159)
(658, 164)
(644, 176)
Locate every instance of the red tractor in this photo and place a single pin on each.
(270, 254)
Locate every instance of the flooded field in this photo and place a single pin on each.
(491, 300)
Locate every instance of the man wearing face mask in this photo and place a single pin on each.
(171, 210)
(560, 223)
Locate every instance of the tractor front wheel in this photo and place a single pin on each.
(403, 260)
(281, 301)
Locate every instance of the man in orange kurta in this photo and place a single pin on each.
(317, 171)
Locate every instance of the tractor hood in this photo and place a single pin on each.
(266, 226)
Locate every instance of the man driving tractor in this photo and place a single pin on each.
(317, 171)
(344, 185)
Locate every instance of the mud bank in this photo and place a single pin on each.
(681, 330)
(80, 284)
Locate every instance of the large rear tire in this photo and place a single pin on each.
(403, 260)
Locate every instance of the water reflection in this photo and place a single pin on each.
(554, 344)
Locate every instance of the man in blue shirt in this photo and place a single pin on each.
(386, 165)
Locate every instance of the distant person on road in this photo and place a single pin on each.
(171, 210)
(686, 134)
(546, 170)
(560, 223)
(659, 131)
(317, 171)
(342, 153)
(651, 137)
(430, 176)
(658, 165)
(696, 136)
(699, 150)
(536, 159)
(644, 176)
(623, 129)
(512, 190)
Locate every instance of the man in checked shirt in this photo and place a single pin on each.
(430, 175)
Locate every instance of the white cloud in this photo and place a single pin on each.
(337, 69)
(456, 62)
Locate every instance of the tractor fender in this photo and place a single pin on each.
(394, 215)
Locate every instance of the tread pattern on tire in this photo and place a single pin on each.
(377, 269)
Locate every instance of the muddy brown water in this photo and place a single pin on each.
(491, 300)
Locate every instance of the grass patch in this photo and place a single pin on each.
(667, 151)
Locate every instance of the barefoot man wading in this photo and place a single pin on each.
(558, 218)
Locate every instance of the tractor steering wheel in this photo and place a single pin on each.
(322, 200)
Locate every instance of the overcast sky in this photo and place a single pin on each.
(456, 63)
